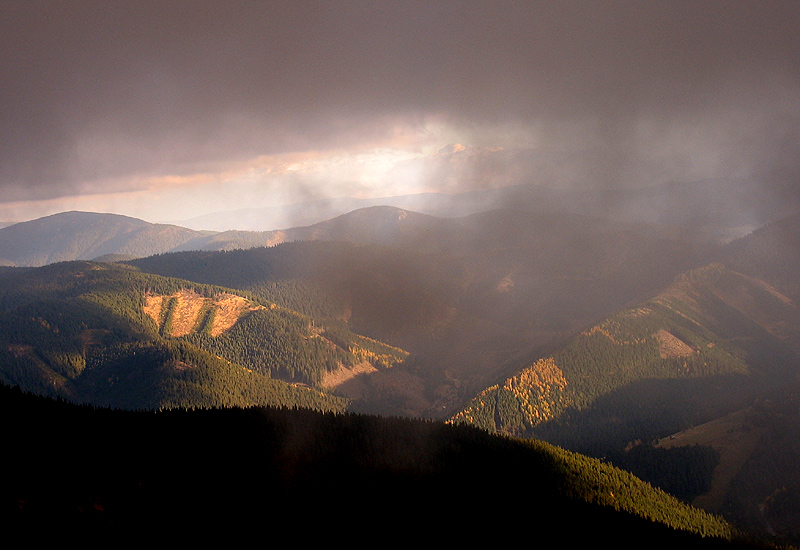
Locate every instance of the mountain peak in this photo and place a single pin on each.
(77, 235)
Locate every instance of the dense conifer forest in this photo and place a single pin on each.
(80, 330)
(294, 466)
(680, 358)
(272, 327)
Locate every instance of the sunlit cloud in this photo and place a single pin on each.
(264, 181)
(111, 110)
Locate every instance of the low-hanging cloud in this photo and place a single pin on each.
(104, 94)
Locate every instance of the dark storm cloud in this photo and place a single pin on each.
(95, 90)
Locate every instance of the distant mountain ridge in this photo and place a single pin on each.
(709, 210)
(88, 236)
(315, 211)
(85, 236)
(715, 208)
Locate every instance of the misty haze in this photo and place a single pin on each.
(312, 260)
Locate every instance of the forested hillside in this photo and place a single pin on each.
(471, 298)
(591, 335)
(291, 466)
(659, 361)
(108, 334)
(714, 342)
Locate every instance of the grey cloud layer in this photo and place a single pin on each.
(96, 90)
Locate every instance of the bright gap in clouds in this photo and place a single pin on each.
(408, 159)
(270, 181)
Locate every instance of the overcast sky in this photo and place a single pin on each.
(166, 110)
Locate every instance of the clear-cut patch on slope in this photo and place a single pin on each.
(670, 345)
(188, 311)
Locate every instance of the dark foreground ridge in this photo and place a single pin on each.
(296, 468)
